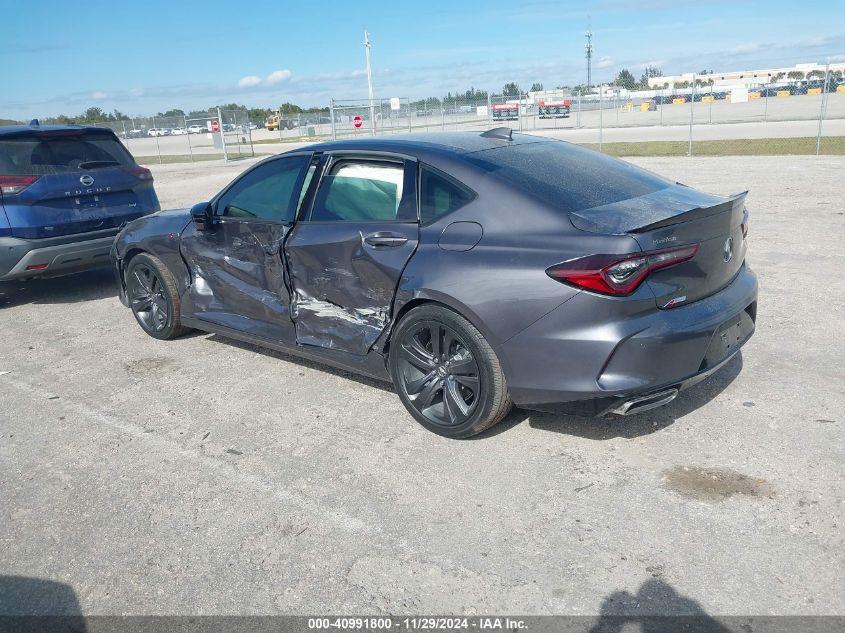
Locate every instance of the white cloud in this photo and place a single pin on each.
(137, 92)
(99, 95)
(276, 76)
(654, 63)
(605, 62)
(249, 81)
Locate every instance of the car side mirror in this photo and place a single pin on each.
(203, 215)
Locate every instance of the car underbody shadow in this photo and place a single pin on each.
(304, 362)
(84, 286)
(628, 427)
(594, 428)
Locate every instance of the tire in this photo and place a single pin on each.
(446, 373)
(151, 290)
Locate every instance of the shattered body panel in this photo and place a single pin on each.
(343, 287)
(239, 277)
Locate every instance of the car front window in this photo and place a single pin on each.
(268, 192)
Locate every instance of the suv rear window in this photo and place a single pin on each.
(46, 153)
(566, 176)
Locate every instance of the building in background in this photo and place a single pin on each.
(750, 78)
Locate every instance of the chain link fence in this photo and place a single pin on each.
(219, 134)
(697, 117)
(702, 118)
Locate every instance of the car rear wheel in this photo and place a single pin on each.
(153, 296)
(446, 373)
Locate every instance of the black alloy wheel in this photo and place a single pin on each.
(439, 373)
(147, 298)
(153, 296)
(446, 373)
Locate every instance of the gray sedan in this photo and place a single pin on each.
(474, 271)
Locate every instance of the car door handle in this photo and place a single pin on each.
(384, 238)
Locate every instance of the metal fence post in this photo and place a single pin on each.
(578, 121)
(443, 115)
(222, 135)
(158, 148)
(408, 101)
(765, 102)
(331, 115)
(691, 111)
(823, 107)
(188, 136)
(489, 110)
(601, 114)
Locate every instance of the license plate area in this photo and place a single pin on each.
(728, 338)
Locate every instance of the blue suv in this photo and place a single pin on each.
(65, 191)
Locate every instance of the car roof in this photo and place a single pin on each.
(445, 143)
(14, 130)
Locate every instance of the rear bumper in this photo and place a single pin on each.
(21, 258)
(590, 356)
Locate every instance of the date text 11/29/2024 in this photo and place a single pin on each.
(418, 623)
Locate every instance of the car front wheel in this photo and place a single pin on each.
(446, 373)
(153, 296)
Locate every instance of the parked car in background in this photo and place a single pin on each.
(197, 129)
(64, 193)
(178, 131)
(609, 291)
(158, 131)
(135, 134)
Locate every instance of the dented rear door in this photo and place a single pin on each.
(346, 256)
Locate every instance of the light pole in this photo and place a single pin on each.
(367, 47)
(588, 53)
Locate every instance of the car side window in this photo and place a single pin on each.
(268, 192)
(440, 196)
(359, 191)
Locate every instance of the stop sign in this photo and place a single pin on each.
(215, 125)
(357, 121)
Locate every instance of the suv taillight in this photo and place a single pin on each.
(15, 184)
(142, 173)
(618, 274)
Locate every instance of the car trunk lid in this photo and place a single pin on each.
(673, 217)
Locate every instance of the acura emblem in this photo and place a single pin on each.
(86, 180)
(728, 254)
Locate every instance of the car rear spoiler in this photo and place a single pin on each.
(664, 207)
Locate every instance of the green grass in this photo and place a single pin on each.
(803, 145)
(292, 139)
(167, 159)
(797, 146)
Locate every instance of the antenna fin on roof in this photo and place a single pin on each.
(504, 133)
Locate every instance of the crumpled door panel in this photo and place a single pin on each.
(238, 277)
(342, 287)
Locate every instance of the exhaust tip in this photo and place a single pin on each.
(645, 403)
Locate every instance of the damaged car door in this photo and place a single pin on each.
(236, 262)
(346, 255)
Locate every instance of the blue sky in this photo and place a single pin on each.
(144, 57)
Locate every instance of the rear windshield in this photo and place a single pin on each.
(53, 154)
(566, 176)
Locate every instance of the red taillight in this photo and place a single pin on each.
(15, 184)
(618, 274)
(142, 173)
(37, 266)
